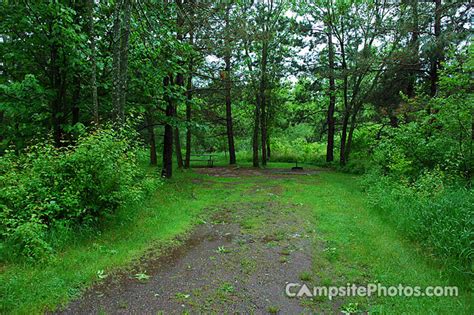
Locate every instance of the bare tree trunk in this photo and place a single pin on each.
(346, 114)
(189, 96)
(269, 116)
(436, 58)
(58, 85)
(228, 85)
(414, 50)
(345, 122)
(263, 124)
(332, 101)
(179, 82)
(125, 34)
(57, 106)
(230, 128)
(75, 99)
(268, 147)
(151, 138)
(95, 102)
(256, 128)
(177, 140)
(262, 91)
(167, 170)
(177, 146)
(393, 119)
(347, 150)
(116, 35)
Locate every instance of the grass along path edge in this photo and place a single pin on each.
(361, 248)
(171, 211)
(353, 244)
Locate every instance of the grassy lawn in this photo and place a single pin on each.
(352, 244)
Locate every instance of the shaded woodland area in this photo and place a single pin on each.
(94, 92)
(215, 71)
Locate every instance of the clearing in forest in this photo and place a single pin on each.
(268, 228)
(238, 259)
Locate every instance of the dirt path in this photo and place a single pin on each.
(237, 260)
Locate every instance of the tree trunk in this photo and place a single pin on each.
(125, 34)
(268, 119)
(228, 85)
(116, 61)
(230, 128)
(75, 99)
(58, 86)
(436, 58)
(177, 140)
(167, 170)
(332, 101)
(151, 138)
(179, 82)
(348, 146)
(268, 147)
(345, 122)
(393, 120)
(189, 96)
(262, 91)
(177, 146)
(346, 114)
(256, 126)
(95, 102)
(414, 51)
(256, 132)
(263, 124)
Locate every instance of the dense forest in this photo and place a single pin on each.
(106, 104)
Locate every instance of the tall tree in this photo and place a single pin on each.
(151, 138)
(263, 98)
(116, 58)
(189, 97)
(93, 83)
(414, 62)
(189, 92)
(437, 54)
(179, 80)
(332, 97)
(167, 170)
(120, 34)
(268, 15)
(124, 46)
(228, 85)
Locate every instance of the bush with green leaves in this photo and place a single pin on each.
(298, 149)
(76, 185)
(439, 131)
(421, 172)
(25, 112)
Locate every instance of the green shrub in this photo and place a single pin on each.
(296, 150)
(421, 171)
(78, 185)
(28, 238)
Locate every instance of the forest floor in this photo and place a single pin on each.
(246, 234)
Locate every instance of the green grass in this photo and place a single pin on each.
(172, 210)
(361, 248)
(352, 244)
